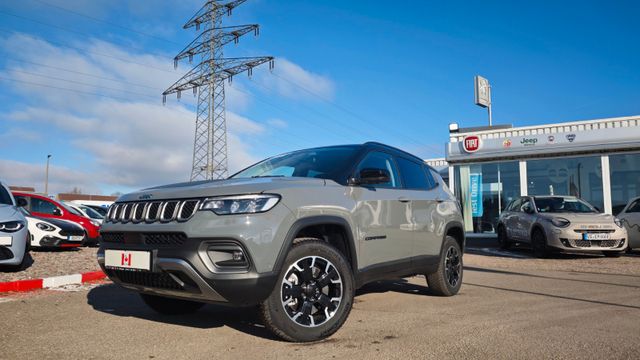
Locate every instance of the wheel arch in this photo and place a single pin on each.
(456, 230)
(332, 229)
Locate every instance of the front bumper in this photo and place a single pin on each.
(13, 254)
(572, 239)
(183, 270)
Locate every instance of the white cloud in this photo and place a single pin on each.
(293, 81)
(278, 123)
(61, 179)
(131, 142)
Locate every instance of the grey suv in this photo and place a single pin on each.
(296, 234)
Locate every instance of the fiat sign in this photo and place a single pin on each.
(471, 143)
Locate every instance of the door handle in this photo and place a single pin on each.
(403, 199)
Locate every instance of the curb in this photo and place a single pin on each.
(51, 282)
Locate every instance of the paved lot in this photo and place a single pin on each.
(55, 262)
(504, 311)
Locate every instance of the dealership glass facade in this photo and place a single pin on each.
(485, 189)
(490, 187)
(624, 170)
(577, 176)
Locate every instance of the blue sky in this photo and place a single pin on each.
(82, 79)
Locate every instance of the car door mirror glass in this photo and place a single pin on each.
(527, 208)
(57, 212)
(374, 176)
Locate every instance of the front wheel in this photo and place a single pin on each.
(171, 306)
(539, 244)
(314, 294)
(447, 280)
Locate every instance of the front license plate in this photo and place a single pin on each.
(6, 240)
(596, 236)
(75, 238)
(124, 259)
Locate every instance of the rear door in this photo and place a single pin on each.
(526, 220)
(426, 221)
(511, 219)
(382, 215)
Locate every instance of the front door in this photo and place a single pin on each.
(382, 215)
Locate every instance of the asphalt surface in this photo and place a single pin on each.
(500, 313)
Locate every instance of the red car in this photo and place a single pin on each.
(45, 207)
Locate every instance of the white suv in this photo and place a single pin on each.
(14, 235)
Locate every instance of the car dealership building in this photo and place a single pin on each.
(596, 160)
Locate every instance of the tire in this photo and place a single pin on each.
(447, 280)
(539, 244)
(293, 311)
(171, 306)
(612, 254)
(503, 239)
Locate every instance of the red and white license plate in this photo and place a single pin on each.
(125, 259)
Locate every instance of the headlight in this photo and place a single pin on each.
(95, 223)
(45, 227)
(618, 222)
(560, 222)
(243, 204)
(11, 226)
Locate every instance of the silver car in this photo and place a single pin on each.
(560, 223)
(14, 244)
(630, 218)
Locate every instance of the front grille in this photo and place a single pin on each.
(152, 211)
(72, 233)
(113, 237)
(146, 279)
(594, 243)
(164, 239)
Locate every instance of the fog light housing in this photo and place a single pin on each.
(228, 256)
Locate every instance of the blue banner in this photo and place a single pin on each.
(475, 194)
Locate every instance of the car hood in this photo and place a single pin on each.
(596, 219)
(9, 213)
(220, 188)
(66, 225)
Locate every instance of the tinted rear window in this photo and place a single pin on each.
(413, 175)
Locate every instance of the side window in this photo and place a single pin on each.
(515, 205)
(433, 177)
(380, 160)
(5, 198)
(42, 206)
(413, 175)
(634, 208)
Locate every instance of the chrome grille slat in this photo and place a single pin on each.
(152, 211)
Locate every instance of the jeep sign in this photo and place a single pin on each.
(471, 143)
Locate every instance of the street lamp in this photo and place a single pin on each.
(46, 177)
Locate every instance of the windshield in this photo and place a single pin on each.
(322, 163)
(72, 210)
(92, 213)
(562, 205)
(24, 211)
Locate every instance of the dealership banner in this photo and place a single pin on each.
(475, 194)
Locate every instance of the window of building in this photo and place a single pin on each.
(579, 176)
(485, 191)
(625, 179)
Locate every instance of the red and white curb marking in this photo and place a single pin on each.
(51, 282)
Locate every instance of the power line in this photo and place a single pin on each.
(82, 73)
(83, 83)
(106, 22)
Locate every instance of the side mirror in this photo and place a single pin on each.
(21, 202)
(57, 212)
(372, 177)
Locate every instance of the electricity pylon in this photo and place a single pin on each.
(207, 82)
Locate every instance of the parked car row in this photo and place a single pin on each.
(34, 221)
(568, 224)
